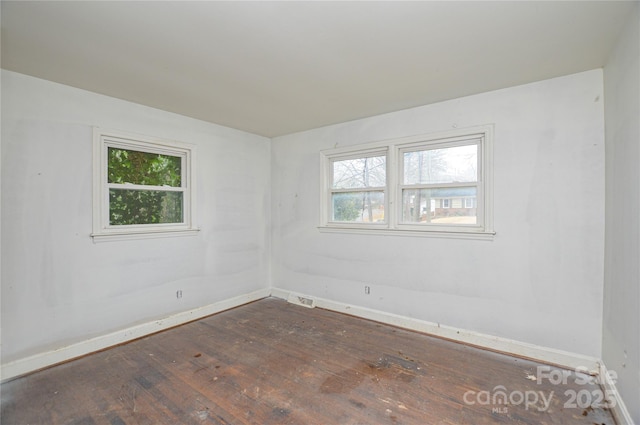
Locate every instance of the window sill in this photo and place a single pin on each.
(461, 234)
(125, 236)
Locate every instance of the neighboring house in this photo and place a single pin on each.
(448, 202)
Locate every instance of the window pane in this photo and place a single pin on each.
(363, 207)
(129, 166)
(360, 173)
(449, 165)
(144, 207)
(440, 206)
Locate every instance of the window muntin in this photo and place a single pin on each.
(357, 189)
(142, 186)
(438, 184)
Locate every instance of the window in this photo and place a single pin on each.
(143, 187)
(358, 186)
(470, 202)
(432, 184)
(442, 170)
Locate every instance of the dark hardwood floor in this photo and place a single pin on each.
(270, 362)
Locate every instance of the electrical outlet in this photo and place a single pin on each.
(179, 293)
(367, 290)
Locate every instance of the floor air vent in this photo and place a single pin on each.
(303, 301)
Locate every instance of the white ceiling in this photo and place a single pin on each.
(274, 68)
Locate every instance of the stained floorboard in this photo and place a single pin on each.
(270, 362)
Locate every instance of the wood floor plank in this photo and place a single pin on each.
(270, 362)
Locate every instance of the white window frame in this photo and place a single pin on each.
(483, 229)
(346, 154)
(102, 230)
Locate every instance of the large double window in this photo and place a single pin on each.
(142, 186)
(431, 184)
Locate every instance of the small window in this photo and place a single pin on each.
(142, 187)
(469, 202)
(358, 190)
(432, 184)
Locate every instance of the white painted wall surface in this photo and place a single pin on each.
(58, 287)
(539, 281)
(621, 323)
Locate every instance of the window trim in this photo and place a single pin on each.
(368, 153)
(442, 143)
(393, 194)
(102, 231)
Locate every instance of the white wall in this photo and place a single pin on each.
(58, 287)
(621, 326)
(539, 281)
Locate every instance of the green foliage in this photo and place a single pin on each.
(134, 206)
(127, 166)
(346, 207)
(144, 207)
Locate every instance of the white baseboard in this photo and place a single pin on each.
(619, 409)
(522, 349)
(39, 361)
(560, 358)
